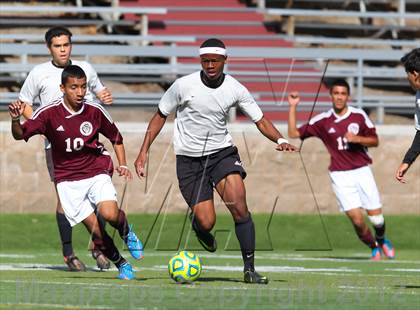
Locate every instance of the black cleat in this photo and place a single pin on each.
(74, 263)
(205, 238)
(101, 261)
(254, 277)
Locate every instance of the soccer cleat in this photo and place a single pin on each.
(388, 249)
(126, 272)
(74, 263)
(376, 254)
(101, 261)
(206, 239)
(134, 244)
(254, 277)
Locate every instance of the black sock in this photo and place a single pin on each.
(380, 233)
(245, 232)
(65, 233)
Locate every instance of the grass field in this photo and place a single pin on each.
(310, 266)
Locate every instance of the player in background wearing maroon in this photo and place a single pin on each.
(43, 83)
(347, 132)
(411, 62)
(82, 166)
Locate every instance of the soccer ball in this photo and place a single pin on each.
(184, 267)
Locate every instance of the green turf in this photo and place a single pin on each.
(307, 268)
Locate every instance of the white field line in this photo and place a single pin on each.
(16, 255)
(270, 256)
(59, 306)
(274, 269)
(402, 270)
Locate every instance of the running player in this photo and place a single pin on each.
(82, 166)
(43, 82)
(411, 62)
(206, 157)
(347, 132)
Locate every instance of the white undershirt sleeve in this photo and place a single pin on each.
(30, 89)
(94, 84)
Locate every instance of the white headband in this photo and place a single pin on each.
(213, 50)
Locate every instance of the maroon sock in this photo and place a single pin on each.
(367, 238)
(121, 225)
(107, 246)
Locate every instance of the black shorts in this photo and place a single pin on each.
(198, 175)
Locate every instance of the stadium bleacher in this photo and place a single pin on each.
(244, 30)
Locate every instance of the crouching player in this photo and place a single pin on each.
(82, 166)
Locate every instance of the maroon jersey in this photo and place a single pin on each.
(74, 137)
(331, 128)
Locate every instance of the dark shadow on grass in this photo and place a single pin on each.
(271, 280)
(214, 279)
(407, 286)
(65, 268)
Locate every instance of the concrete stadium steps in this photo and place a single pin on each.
(214, 24)
(220, 16)
(178, 3)
(214, 30)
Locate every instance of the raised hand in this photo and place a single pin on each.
(293, 98)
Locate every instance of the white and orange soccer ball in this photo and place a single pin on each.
(184, 267)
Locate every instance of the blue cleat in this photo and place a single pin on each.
(388, 249)
(134, 244)
(376, 254)
(126, 272)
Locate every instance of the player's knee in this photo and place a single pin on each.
(242, 217)
(240, 213)
(207, 225)
(377, 220)
(359, 225)
(109, 212)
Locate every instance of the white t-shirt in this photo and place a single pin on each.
(202, 113)
(43, 82)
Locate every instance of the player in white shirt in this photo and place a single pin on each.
(43, 83)
(206, 157)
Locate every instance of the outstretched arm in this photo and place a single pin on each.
(16, 109)
(293, 100)
(155, 126)
(267, 129)
(411, 155)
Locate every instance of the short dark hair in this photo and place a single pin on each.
(340, 82)
(56, 32)
(72, 71)
(213, 42)
(411, 61)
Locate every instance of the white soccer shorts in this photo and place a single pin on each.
(79, 198)
(355, 189)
